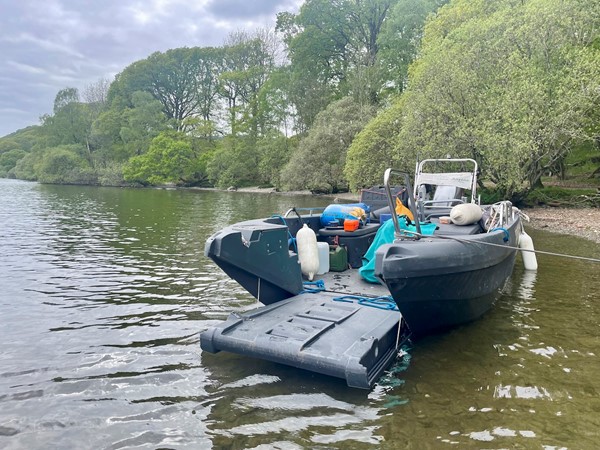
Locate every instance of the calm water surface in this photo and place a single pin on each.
(103, 293)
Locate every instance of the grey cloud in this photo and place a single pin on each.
(244, 9)
(47, 45)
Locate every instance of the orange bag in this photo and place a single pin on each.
(402, 210)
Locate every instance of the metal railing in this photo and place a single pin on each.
(311, 211)
(398, 234)
(501, 213)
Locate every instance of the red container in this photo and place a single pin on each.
(351, 225)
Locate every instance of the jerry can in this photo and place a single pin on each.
(338, 258)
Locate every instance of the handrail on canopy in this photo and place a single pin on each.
(413, 208)
(464, 180)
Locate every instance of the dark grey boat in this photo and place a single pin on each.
(437, 280)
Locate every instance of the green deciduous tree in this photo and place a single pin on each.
(400, 39)
(122, 133)
(374, 149)
(509, 84)
(234, 162)
(274, 153)
(333, 47)
(173, 81)
(248, 61)
(71, 121)
(25, 168)
(65, 165)
(183, 80)
(171, 158)
(141, 123)
(65, 97)
(9, 159)
(318, 164)
(7, 144)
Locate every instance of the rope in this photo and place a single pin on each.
(398, 334)
(384, 302)
(291, 239)
(319, 286)
(506, 233)
(466, 241)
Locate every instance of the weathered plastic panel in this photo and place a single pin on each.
(316, 333)
(256, 255)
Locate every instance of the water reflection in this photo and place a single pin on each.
(247, 418)
(526, 290)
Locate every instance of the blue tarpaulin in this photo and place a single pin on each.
(385, 235)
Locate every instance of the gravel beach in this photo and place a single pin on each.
(583, 222)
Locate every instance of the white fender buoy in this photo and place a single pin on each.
(308, 251)
(526, 244)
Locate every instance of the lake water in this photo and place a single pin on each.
(103, 293)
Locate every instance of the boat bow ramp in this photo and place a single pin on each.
(331, 332)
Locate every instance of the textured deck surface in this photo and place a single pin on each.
(350, 282)
(316, 332)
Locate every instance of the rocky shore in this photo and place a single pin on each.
(583, 222)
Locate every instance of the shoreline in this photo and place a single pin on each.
(346, 196)
(581, 222)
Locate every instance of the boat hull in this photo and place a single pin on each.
(438, 284)
(255, 253)
(427, 309)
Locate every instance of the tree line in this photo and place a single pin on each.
(334, 95)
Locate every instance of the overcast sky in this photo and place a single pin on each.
(48, 45)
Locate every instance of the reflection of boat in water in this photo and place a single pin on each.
(526, 289)
(445, 269)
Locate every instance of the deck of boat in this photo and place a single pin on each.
(318, 332)
(349, 282)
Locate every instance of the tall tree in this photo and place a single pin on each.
(400, 39)
(142, 123)
(71, 122)
(209, 66)
(318, 164)
(183, 80)
(357, 47)
(248, 62)
(374, 149)
(170, 159)
(65, 97)
(173, 81)
(334, 44)
(511, 85)
(275, 105)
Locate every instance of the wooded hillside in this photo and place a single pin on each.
(334, 95)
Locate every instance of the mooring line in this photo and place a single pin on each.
(466, 241)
